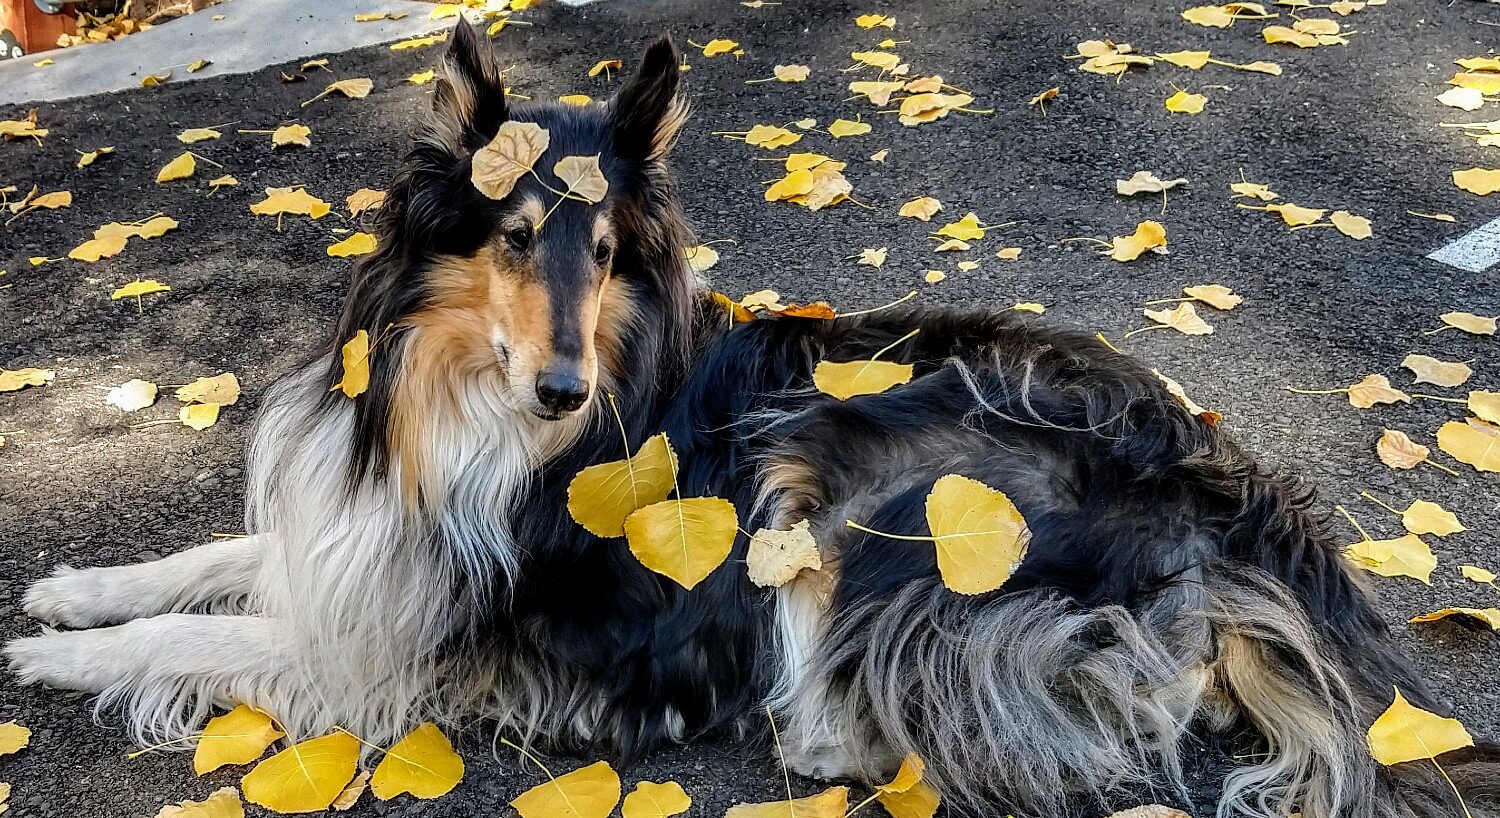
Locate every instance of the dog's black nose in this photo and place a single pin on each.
(561, 392)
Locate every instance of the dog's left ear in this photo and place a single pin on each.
(469, 101)
(649, 111)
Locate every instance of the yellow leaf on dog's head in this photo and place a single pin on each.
(1184, 318)
(423, 764)
(1442, 373)
(1407, 733)
(1399, 451)
(222, 389)
(1406, 556)
(590, 792)
(509, 156)
(683, 540)
(354, 356)
(652, 800)
(601, 496)
(13, 737)
(1488, 617)
(583, 177)
(1375, 389)
(1469, 322)
(291, 135)
(1148, 235)
(980, 534)
(224, 803)
(852, 378)
(1474, 442)
(1424, 517)
(831, 803)
(237, 737)
(180, 168)
(305, 777)
(775, 557)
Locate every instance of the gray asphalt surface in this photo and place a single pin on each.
(1345, 127)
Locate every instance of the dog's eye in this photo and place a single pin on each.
(602, 253)
(518, 239)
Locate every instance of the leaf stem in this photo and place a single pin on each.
(1377, 501)
(145, 750)
(1338, 391)
(1442, 398)
(1357, 527)
(776, 736)
(888, 347)
(1440, 467)
(528, 756)
(858, 527)
(907, 297)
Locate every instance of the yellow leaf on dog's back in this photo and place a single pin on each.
(683, 540)
(980, 534)
(853, 378)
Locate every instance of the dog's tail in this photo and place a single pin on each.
(1028, 700)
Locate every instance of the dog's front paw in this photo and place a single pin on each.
(64, 599)
(51, 659)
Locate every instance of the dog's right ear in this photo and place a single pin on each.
(469, 102)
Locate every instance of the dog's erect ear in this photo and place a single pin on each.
(649, 111)
(469, 101)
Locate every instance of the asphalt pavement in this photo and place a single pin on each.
(1349, 127)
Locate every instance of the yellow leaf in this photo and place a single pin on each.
(1482, 181)
(198, 416)
(1145, 181)
(305, 777)
(1485, 405)
(1208, 416)
(604, 66)
(1184, 318)
(908, 776)
(1465, 99)
(153, 80)
(1475, 442)
(357, 244)
(714, 48)
(93, 155)
(583, 177)
(602, 496)
(357, 88)
(1215, 295)
(967, 228)
(98, 247)
(1044, 97)
(350, 796)
(1210, 16)
(843, 127)
(1316, 26)
(13, 737)
(921, 108)
(771, 137)
(1480, 63)
(222, 389)
(291, 135)
(791, 73)
(1260, 67)
(237, 737)
(1431, 370)
(138, 288)
(775, 557)
(1406, 556)
(1028, 306)
(1186, 59)
(509, 156)
(422, 77)
(968, 266)
(1375, 389)
(1184, 103)
(1476, 574)
(1488, 617)
(1423, 517)
(1484, 82)
(296, 200)
(872, 256)
(590, 792)
(1254, 191)
(223, 181)
(981, 537)
(1469, 322)
(1281, 35)
(737, 313)
(829, 187)
(934, 276)
(1148, 235)
(180, 168)
(364, 199)
(1355, 227)
(198, 65)
(419, 42)
(884, 60)
(852, 378)
(807, 161)
(132, 395)
(831, 803)
(224, 803)
(684, 540)
(1407, 733)
(702, 257)
(355, 358)
(651, 800)
(873, 20)
(423, 764)
(921, 801)
(1399, 451)
(951, 245)
(878, 92)
(576, 100)
(922, 208)
(1008, 253)
(1294, 215)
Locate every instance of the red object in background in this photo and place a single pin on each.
(26, 29)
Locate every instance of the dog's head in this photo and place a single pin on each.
(534, 290)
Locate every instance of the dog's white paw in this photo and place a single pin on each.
(54, 659)
(69, 598)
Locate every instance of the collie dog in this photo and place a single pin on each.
(410, 555)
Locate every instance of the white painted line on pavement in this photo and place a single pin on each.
(1474, 251)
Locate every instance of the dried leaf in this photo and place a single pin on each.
(1473, 442)
(363, 200)
(1148, 235)
(223, 803)
(872, 256)
(192, 135)
(132, 395)
(13, 737)
(1355, 227)
(1483, 617)
(1294, 215)
(357, 244)
(1208, 416)
(843, 127)
(853, 378)
(1145, 182)
(714, 48)
(280, 200)
(1375, 389)
(350, 796)
(93, 156)
(771, 137)
(980, 535)
(1442, 373)
(222, 389)
(775, 557)
(510, 155)
(1406, 556)
(198, 416)
(583, 177)
(1399, 451)
(180, 168)
(604, 67)
(422, 77)
(1424, 517)
(1186, 59)
(1184, 318)
(702, 257)
(967, 228)
(1466, 99)
(1469, 322)
(291, 135)
(1183, 102)
(1407, 733)
(138, 288)
(1215, 295)
(1481, 181)
(1474, 573)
